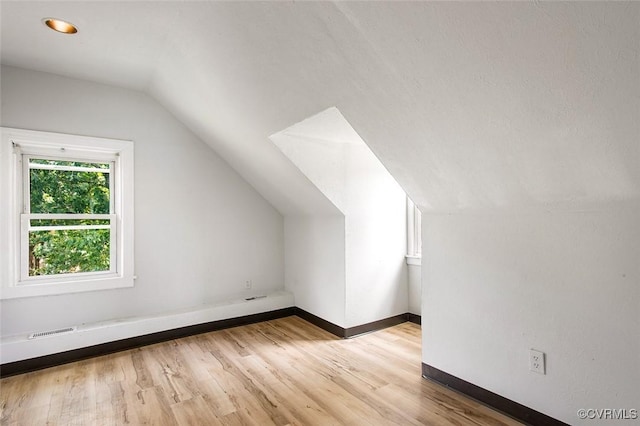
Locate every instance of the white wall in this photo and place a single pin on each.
(414, 279)
(315, 264)
(564, 282)
(376, 239)
(200, 229)
(332, 156)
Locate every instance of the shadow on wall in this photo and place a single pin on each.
(329, 152)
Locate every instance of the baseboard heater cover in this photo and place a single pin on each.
(52, 332)
(59, 358)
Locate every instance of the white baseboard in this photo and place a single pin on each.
(20, 347)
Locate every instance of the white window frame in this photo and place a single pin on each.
(17, 146)
(24, 161)
(414, 233)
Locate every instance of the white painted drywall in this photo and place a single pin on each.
(414, 280)
(332, 156)
(564, 282)
(376, 239)
(315, 264)
(200, 229)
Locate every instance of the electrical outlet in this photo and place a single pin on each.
(247, 284)
(536, 361)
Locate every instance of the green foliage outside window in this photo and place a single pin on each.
(59, 251)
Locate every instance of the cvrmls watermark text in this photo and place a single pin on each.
(608, 413)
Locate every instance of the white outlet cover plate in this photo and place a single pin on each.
(536, 361)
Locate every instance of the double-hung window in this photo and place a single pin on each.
(67, 224)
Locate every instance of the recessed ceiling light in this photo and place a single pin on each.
(60, 25)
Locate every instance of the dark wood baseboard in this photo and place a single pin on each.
(416, 319)
(46, 361)
(373, 326)
(336, 330)
(500, 403)
(346, 333)
(39, 363)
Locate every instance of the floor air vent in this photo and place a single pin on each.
(52, 332)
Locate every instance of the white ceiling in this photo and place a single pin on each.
(469, 105)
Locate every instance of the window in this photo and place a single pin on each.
(68, 225)
(67, 213)
(414, 232)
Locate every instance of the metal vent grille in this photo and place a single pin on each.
(52, 332)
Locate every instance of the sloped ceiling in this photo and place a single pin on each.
(316, 146)
(469, 105)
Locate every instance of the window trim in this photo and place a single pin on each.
(414, 233)
(17, 143)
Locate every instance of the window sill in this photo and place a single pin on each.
(414, 260)
(50, 289)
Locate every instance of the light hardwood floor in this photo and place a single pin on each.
(280, 372)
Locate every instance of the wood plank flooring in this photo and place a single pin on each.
(280, 372)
